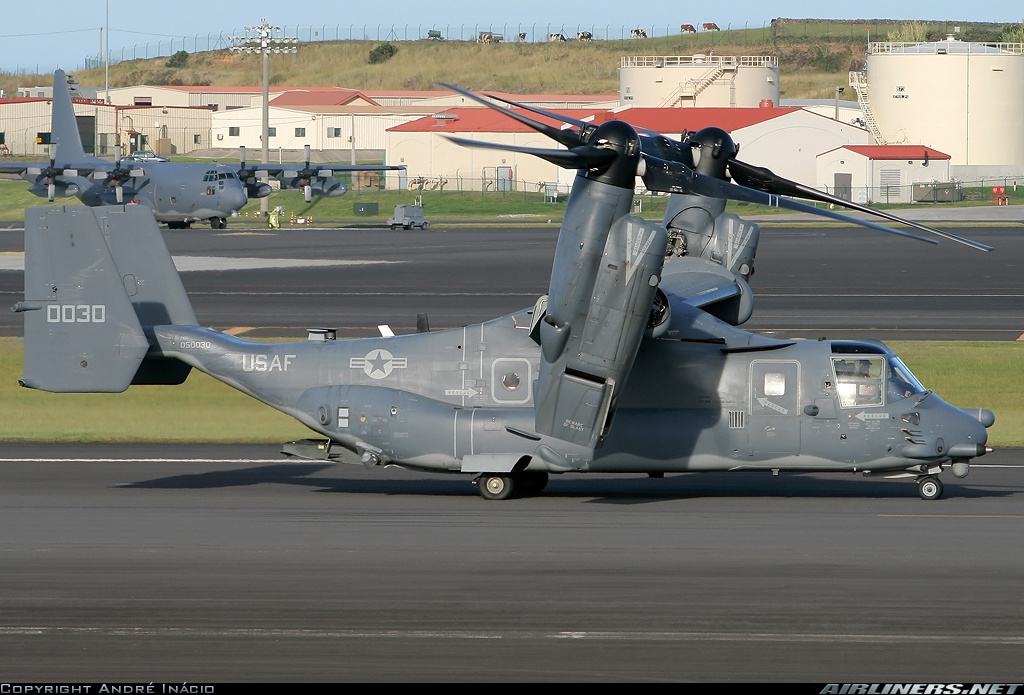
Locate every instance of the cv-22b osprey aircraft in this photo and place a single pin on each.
(178, 193)
(631, 363)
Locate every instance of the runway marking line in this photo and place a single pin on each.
(614, 635)
(952, 516)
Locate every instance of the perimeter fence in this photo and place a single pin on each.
(488, 33)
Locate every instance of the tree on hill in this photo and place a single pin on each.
(383, 53)
(178, 60)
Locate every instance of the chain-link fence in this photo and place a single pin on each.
(488, 33)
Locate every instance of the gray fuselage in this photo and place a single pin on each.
(462, 400)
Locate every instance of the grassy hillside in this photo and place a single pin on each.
(815, 56)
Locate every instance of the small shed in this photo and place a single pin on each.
(872, 174)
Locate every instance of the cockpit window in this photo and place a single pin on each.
(901, 382)
(210, 175)
(858, 380)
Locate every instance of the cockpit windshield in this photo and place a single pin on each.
(901, 383)
(860, 380)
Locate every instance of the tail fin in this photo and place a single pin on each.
(94, 279)
(63, 126)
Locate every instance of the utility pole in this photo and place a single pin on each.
(106, 59)
(261, 39)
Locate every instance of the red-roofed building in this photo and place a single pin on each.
(884, 173)
(322, 96)
(785, 140)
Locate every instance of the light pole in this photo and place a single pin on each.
(261, 39)
(839, 90)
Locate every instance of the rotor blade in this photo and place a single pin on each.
(569, 138)
(307, 192)
(541, 112)
(51, 191)
(582, 125)
(119, 194)
(576, 158)
(671, 177)
(763, 179)
(307, 157)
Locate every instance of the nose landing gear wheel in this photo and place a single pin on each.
(929, 488)
(494, 486)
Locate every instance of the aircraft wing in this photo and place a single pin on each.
(33, 169)
(278, 171)
(313, 179)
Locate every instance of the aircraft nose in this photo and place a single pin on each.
(972, 434)
(235, 198)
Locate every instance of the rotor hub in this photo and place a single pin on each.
(713, 148)
(621, 138)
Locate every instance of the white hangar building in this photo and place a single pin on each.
(786, 140)
(107, 130)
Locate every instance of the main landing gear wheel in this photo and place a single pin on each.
(218, 223)
(495, 486)
(531, 482)
(929, 487)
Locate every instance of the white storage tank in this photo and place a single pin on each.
(699, 80)
(965, 99)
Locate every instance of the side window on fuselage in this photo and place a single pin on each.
(858, 380)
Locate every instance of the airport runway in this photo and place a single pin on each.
(225, 563)
(151, 563)
(836, 282)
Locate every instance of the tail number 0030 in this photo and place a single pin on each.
(76, 313)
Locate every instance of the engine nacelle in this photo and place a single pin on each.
(329, 188)
(61, 189)
(258, 190)
(713, 234)
(576, 389)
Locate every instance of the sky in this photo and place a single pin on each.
(40, 37)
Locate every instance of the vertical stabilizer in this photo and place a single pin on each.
(94, 278)
(63, 126)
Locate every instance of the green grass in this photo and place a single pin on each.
(200, 410)
(967, 374)
(445, 206)
(974, 375)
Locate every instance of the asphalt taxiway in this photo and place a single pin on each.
(174, 563)
(809, 282)
(181, 563)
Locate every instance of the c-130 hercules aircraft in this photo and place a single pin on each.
(178, 193)
(631, 363)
